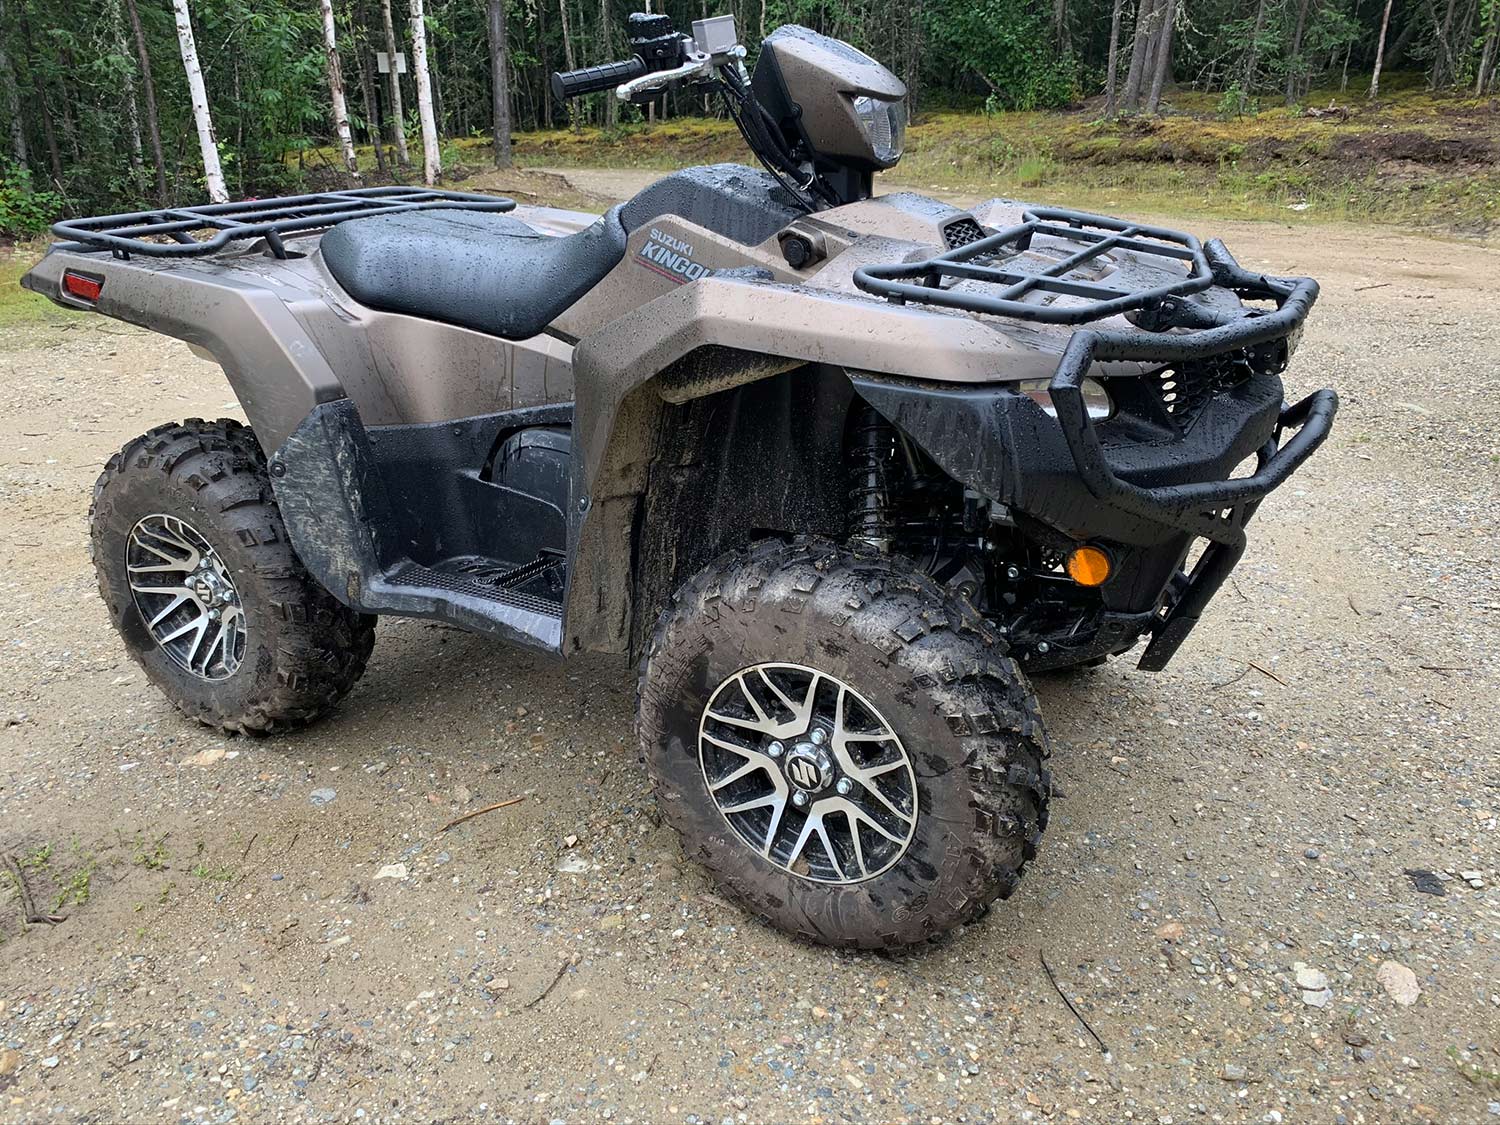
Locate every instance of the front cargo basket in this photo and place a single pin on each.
(189, 232)
(989, 260)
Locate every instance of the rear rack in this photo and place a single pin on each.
(922, 281)
(175, 232)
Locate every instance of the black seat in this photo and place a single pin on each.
(477, 269)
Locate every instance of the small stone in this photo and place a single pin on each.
(1475, 879)
(320, 797)
(462, 794)
(204, 757)
(854, 1082)
(502, 984)
(392, 871)
(1318, 999)
(612, 922)
(1399, 982)
(820, 1013)
(49, 1062)
(1313, 853)
(10, 1061)
(570, 841)
(377, 768)
(1233, 1072)
(1365, 1054)
(1311, 980)
(1171, 931)
(573, 865)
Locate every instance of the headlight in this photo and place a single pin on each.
(1095, 397)
(884, 124)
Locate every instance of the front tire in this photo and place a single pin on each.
(920, 757)
(203, 586)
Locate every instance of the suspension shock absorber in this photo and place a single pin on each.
(871, 441)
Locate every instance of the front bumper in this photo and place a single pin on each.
(1144, 489)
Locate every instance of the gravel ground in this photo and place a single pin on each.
(278, 929)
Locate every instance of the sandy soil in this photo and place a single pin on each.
(230, 950)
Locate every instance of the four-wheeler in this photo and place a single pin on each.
(839, 470)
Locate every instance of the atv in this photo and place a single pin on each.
(839, 470)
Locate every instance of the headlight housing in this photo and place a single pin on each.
(1096, 399)
(884, 125)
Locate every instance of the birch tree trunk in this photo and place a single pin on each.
(432, 166)
(499, 82)
(153, 126)
(398, 113)
(12, 100)
(1385, 24)
(1112, 70)
(336, 92)
(213, 174)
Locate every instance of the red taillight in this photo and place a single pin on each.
(82, 286)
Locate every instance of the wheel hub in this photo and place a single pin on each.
(806, 771)
(186, 597)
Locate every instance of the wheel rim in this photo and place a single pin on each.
(808, 773)
(186, 597)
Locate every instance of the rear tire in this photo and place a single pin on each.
(200, 492)
(910, 657)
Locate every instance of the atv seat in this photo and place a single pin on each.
(477, 269)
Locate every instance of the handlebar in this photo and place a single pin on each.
(592, 79)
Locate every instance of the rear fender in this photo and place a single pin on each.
(277, 372)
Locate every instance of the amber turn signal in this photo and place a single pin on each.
(1088, 566)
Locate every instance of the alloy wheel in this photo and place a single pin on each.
(186, 597)
(807, 772)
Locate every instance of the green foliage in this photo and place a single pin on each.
(24, 211)
(1006, 44)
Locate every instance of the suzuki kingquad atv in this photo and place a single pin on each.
(839, 470)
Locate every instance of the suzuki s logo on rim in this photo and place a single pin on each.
(807, 769)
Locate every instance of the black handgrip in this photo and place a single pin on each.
(591, 79)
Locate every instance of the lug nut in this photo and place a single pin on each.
(845, 787)
(776, 749)
(799, 798)
(1043, 647)
(818, 736)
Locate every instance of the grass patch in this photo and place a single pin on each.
(1415, 159)
(21, 308)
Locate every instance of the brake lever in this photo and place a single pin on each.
(700, 65)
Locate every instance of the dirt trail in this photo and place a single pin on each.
(239, 944)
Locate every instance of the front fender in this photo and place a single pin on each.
(709, 336)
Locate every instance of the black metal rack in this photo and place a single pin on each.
(922, 281)
(177, 232)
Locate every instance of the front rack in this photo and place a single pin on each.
(179, 232)
(922, 281)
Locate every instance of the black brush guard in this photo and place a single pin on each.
(169, 231)
(1214, 510)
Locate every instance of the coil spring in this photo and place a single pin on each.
(871, 440)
